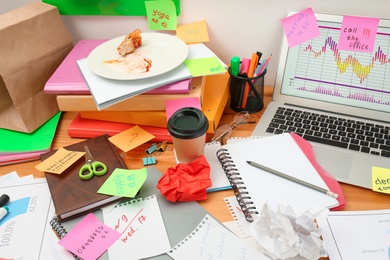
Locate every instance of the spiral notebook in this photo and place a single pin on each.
(254, 187)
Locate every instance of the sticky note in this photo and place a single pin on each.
(124, 183)
(161, 15)
(131, 138)
(381, 179)
(193, 32)
(300, 27)
(59, 161)
(204, 66)
(358, 33)
(90, 238)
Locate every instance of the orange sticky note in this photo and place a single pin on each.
(193, 32)
(131, 138)
(59, 161)
(381, 179)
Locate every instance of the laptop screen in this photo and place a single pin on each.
(318, 70)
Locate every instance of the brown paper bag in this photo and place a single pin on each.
(34, 41)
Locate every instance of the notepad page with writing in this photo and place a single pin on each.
(211, 240)
(142, 227)
(217, 175)
(279, 152)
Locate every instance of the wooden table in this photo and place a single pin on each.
(357, 198)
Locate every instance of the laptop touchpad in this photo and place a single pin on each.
(334, 162)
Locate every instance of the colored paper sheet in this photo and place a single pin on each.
(193, 32)
(61, 160)
(104, 7)
(39, 140)
(131, 138)
(124, 183)
(90, 238)
(172, 105)
(381, 179)
(161, 15)
(300, 27)
(358, 33)
(204, 66)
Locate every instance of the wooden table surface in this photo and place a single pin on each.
(357, 198)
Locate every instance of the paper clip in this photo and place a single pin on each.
(149, 160)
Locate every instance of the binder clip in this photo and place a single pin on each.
(156, 148)
(151, 149)
(151, 160)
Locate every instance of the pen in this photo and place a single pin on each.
(290, 178)
(252, 66)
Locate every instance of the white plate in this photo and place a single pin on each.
(165, 51)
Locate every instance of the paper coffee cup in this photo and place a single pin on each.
(188, 127)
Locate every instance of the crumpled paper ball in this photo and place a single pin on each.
(186, 182)
(288, 233)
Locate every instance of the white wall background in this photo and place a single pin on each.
(236, 27)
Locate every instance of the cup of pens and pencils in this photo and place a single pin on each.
(246, 83)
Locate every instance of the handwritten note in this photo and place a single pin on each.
(381, 179)
(193, 32)
(300, 27)
(124, 183)
(358, 33)
(59, 161)
(131, 138)
(211, 240)
(141, 225)
(204, 66)
(161, 15)
(90, 238)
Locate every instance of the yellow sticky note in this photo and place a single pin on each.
(381, 179)
(59, 161)
(193, 32)
(204, 66)
(131, 138)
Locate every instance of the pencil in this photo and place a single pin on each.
(290, 178)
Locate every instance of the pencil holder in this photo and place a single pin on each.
(246, 94)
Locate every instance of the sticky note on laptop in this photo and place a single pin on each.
(381, 179)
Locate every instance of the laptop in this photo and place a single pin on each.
(316, 83)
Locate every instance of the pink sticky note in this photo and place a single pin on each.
(358, 33)
(90, 238)
(300, 27)
(172, 105)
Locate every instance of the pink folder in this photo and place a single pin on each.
(68, 79)
(330, 181)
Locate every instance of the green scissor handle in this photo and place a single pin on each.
(97, 168)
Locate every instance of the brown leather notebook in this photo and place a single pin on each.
(73, 196)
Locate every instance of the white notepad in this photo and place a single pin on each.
(282, 153)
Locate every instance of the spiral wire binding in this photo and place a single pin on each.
(235, 180)
(60, 231)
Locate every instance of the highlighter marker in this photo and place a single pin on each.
(235, 65)
(4, 200)
(3, 211)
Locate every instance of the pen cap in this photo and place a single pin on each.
(4, 199)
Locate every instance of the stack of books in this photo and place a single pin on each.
(146, 110)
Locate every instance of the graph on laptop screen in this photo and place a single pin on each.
(318, 70)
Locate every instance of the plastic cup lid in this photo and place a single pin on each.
(188, 123)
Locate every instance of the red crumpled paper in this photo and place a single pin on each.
(186, 182)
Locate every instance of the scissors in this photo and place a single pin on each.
(91, 166)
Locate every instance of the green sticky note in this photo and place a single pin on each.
(381, 179)
(204, 66)
(124, 183)
(161, 15)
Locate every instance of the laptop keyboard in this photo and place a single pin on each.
(335, 131)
